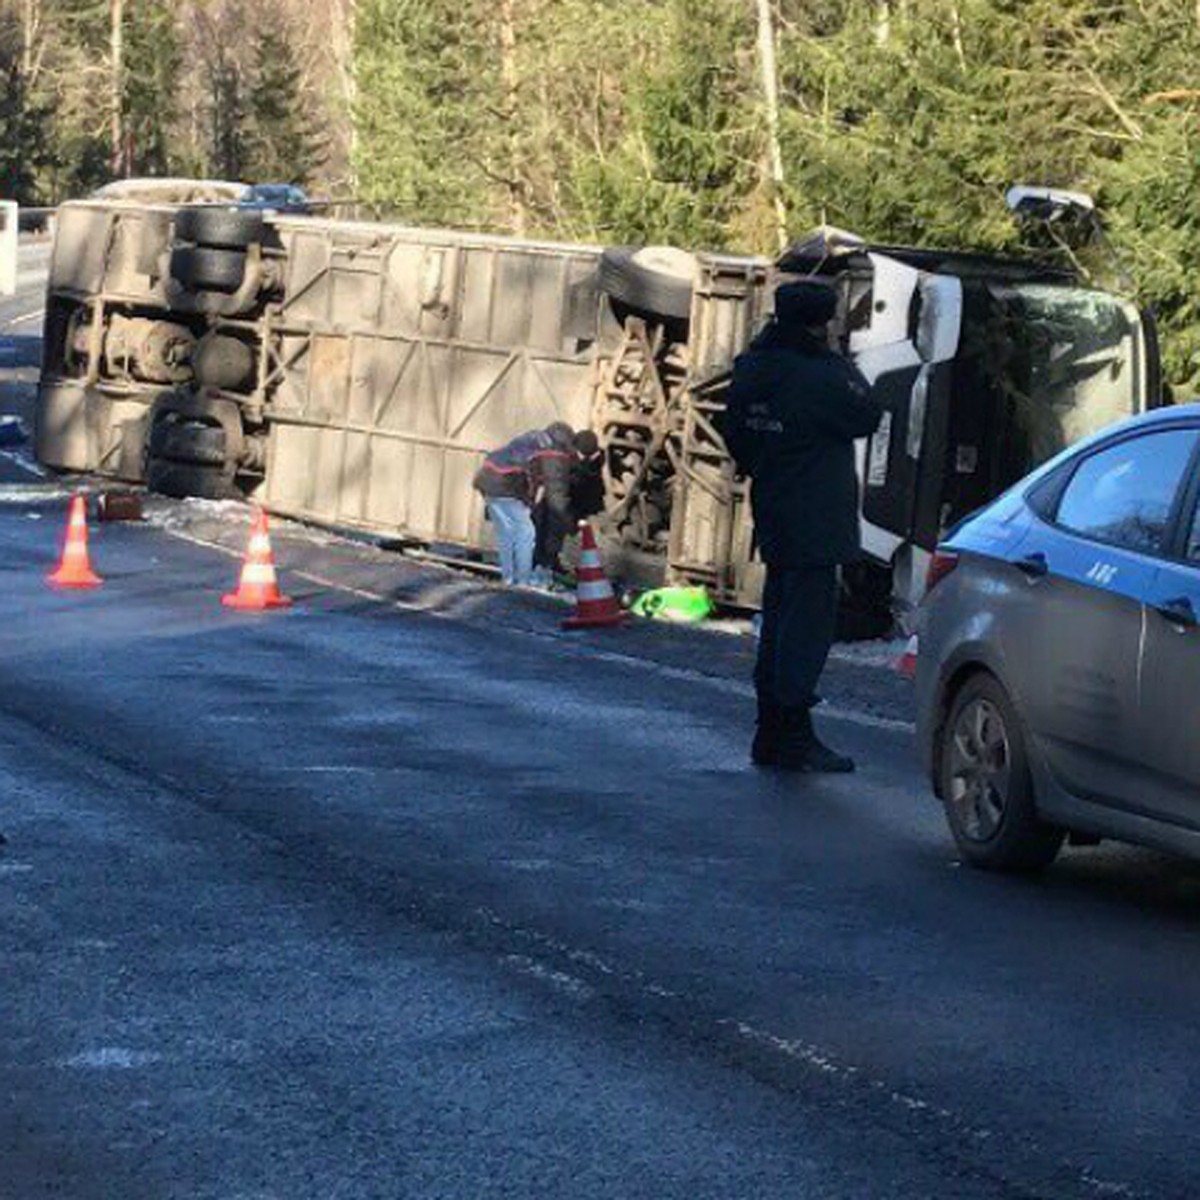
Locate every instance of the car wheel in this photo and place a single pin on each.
(225, 363)
(653, 279)
(986, 784)
(181, 480)
(181, 440)
(225, 228)
(204, 270)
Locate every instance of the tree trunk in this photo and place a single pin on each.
(956, 31)
(883, 21)
(770, 87)
(510, 83)
(344, 29)
(119, 162)
(29, 35)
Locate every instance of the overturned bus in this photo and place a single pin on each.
(354, 374)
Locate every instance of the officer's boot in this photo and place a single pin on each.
(764, 752)
(801, 750)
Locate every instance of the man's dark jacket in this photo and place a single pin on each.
(536, 464)
(795, 410)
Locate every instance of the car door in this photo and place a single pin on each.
(1170, 680)
(1089, 569)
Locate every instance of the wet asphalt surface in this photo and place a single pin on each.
(420, 897)
(405, 893)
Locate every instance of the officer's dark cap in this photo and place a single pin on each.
(805, 302)
(586, 443)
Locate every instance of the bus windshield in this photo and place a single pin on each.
(1068, 361)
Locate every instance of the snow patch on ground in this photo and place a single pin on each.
(174, 515)
(35, 493)
(881, 653)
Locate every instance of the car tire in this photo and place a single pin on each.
(203, 270)
(185, 480)
(222, 362)
(191, 442)
(987, 786)
(223, 228)
(654, 279)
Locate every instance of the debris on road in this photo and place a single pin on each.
(685, 605)
(119, 506)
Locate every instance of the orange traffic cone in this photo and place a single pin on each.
(257, 588)
(75, 571)
(906, 664)
(595, 604)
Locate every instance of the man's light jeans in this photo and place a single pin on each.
(515, 539)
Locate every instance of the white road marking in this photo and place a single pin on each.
(560, 981)
(110, 1058)
(33, 316)
(339, 770)
(805, 1054)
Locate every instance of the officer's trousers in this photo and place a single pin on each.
(799, 617)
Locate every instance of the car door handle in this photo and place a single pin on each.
(1179, 611)
(1033, 566)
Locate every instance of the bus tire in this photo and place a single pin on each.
(223, 228)
(182, 481)
(200, 269)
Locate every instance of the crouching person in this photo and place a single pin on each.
(795, 410)
(587, 494)
(532, 469)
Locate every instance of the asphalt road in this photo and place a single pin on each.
(403, 893)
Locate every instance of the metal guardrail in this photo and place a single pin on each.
(31, 220)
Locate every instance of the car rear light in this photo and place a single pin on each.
(942, 563)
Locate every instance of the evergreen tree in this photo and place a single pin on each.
(227, 145)
(691, 157)
(420, 110)
(153, 63)
(24, 124)
(282, 143)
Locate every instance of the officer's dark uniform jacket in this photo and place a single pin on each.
(795, 409)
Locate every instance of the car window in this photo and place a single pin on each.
(1192, 552)
(1124, 494)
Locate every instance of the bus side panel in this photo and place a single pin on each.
(401, 360)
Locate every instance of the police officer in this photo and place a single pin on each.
(795, 410)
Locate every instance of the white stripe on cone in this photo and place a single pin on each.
(260, 573)
(591, 592)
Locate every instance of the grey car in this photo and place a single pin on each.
(1058, 673)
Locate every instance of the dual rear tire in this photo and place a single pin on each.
(211, 244)
(194, 446)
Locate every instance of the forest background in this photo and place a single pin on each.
(640, 121)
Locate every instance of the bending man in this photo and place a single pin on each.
(534, 468)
